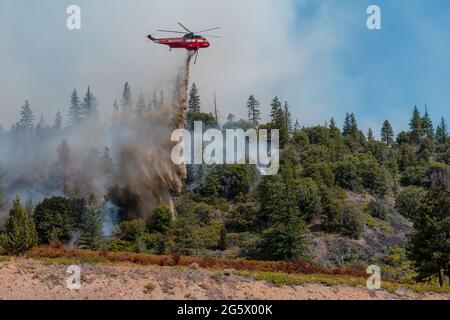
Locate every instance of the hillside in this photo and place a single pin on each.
(341, 198)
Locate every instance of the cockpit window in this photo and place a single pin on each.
(192, 36)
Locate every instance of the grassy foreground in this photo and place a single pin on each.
(278, 273)
(280, 279)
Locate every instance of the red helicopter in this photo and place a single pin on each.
(191, 41)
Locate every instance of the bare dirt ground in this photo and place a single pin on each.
(32, 279)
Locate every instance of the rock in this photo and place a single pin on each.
(229, 272)
(194, 266)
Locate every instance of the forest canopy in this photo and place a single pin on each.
(332, 181)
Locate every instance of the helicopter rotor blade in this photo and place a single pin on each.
(216, 28)
(185, 28)
(211, 36)
(170, 31)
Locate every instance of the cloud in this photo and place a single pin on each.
(318, 55)
(256, 53)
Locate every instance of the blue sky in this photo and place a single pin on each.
(318, 55)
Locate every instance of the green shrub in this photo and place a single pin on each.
(282, 241)
(242, 218)
(380, 209)
(199, 212)
(117, 245)
(344, 218)
(346, 174)
(406, 156)
(351, 222)
(223, 241)
(54, 219)
(413, 176)
(315, 154)
(208, 236)
(184, 234)
(408, 201)
(373, 176)
(133, 230)
(154, 243)
(242, 240)
(228, 181)
(378, 149)
(300, 139)
(161, 219)
(203, 213)
(320, 172)
(397, 266)
(309, 199)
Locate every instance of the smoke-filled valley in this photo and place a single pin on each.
(126, 157)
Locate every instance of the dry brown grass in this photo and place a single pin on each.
(291, 267)
(149, 287)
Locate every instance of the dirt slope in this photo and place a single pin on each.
(32, 279)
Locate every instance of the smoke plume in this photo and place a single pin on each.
(147, 171)
(126, 162)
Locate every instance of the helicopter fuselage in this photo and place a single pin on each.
(188, 42)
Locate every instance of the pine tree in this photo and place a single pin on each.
(91, 227)
(287, 118)
(254, 114)
(370, 136)
(92, 164)
(106, 162)
(350, 125)
(334, 130)
(29, 206)
(429, 243)
(427, 126)
(333, 124)
(89, 105)
(223, 243)
(58, 123)
(285, 236)
(286, 128)
(281, 119)
(64, 165)
(415, 126)
(441, 132)
(346, 129)
(353, 124)
(161, 99)
(194, 100)
(127, 100)
(116, 113)
(387, 133)
(155, 103)
(40, 127)
(75, 112)
(297, 126)
(2, 189)
(26, 117)
(20, 234)
(353, 137)
(140, 106)
(276, 111)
